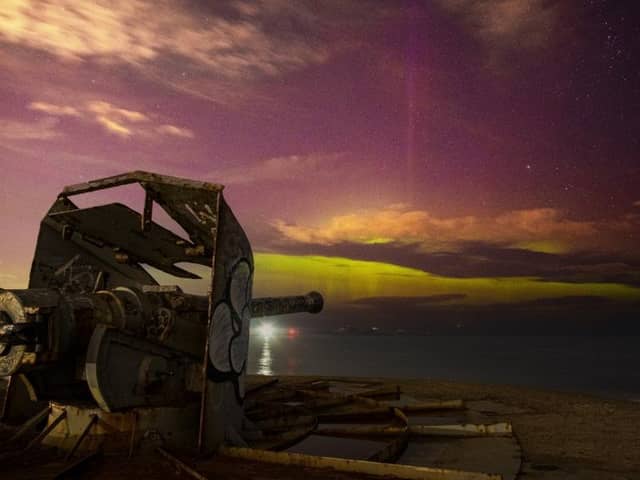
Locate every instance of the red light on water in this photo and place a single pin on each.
(292, 332)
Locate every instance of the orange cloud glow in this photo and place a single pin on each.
(535, 229)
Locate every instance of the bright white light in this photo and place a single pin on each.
(266, 330)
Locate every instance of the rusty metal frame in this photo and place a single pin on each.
(71, 471)
(354, 466)
(138, 176)
(132, 438)
(180, 465)
(29, 424)
(147, 212)
(205, 359)
(143, 178)
(467, 430)
(48, 429)
(361, 405)
(252, 390)
(85, 431)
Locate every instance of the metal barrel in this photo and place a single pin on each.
(312, 302)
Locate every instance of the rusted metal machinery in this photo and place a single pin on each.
(101, 358)
(95, 334)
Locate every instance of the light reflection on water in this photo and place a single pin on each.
(265, 360)
(598, 365)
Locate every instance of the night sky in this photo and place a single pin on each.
(418, 162)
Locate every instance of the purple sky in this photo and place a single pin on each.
(464, 138)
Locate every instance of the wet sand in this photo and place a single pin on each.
(563, 436)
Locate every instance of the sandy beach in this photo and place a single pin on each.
(563, 436)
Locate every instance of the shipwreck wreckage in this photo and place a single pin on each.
(100, 360)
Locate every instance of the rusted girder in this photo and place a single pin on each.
(355, 466)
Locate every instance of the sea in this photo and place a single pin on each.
(606, 366)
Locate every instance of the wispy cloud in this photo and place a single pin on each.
(119, 121)
(113, 119)
(283, 168)
(109, 110)
(135, 31)
(210, 50)
(175, 131)
(43, 129)
(58, 110)
(506, 25)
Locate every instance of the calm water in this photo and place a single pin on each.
(606, 366)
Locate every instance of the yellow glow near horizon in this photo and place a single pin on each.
(544, 247)
(378, 241)
(343, 280)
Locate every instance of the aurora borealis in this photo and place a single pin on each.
(466, 153)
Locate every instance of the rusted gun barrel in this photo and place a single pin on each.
(47, 326)
(312, 302)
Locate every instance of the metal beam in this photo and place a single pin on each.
(180, 465)
(136, 177)
(355, 466)
(29, 424)
(463, 430)
(83, 434)
(205, 359)
(41, 436)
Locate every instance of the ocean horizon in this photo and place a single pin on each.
(601, 366)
